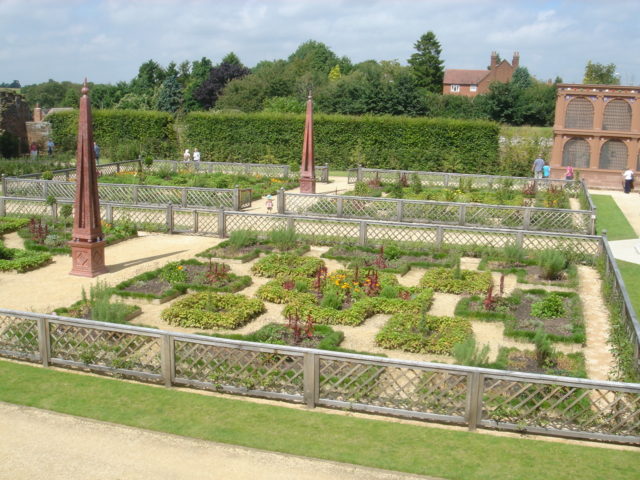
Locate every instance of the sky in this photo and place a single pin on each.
(108, 40)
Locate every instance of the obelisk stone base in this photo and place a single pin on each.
(307, 185)
(87, 258)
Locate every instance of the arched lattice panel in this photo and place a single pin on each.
(617, 115)
(613, 155)
(579, 114)
(576, 153)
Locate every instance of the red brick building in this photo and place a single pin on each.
(597, 132)
(470, 83)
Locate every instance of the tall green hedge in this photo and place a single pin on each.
(345, 141)
(121, 134)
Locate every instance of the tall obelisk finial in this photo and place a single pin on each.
(307, 169)
(87, 244)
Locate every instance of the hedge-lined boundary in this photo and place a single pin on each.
(345, 141)
(121, 134)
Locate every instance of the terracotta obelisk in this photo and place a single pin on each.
(87, 243)
(307, 169)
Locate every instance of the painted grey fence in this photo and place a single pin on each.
(453, 213)
(495, 399)
(230, 198)
(322, 230)
(67, 174)
(466, 180)
(261, 169)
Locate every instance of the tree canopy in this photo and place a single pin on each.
(597, 73)
(426, 63)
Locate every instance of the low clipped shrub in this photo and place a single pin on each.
(424, 333)
(444, 280)
(278, 264)
(21, 260)
(10, 224)
(213, 310)
(551, 306)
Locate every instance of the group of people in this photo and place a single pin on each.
(541, 170)
(187, 155)
(33, 149)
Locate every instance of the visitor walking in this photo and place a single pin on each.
(568, 175)
(538, 163)
(627, 175)
(186, 156)
(96, 151)
(50, 146)
(546, 171)
(196, 155)
(269, 203)
(33, 150)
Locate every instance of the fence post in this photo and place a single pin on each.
(222, 228)
(325, 173)
(592, 224)
(291, 224)
(43, 340)
(117, 167)
(439, 237)
(285, 171)
(167, 359)
(54, 211)
(281, 206)
(3, 208)
(359, 174)
(196, 219)
(236, 198)
(4, 185)
(45, 189)
(134, 194)
(184, 197)
(446, 179)
(66, 175)
(170, 218)
(340, 207)
(399, 210)
(527, 219)
(519, 239)
(311, 375)
(109, 213)
(362, 237)
(475, 387)
(462, 215)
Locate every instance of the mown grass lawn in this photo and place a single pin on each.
(374, 443)
(609, 217)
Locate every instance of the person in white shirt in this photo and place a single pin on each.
(196, 155)
(186, 156)
(628, 180)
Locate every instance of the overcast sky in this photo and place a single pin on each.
(107, 40)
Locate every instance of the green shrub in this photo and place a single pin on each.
(283, 239)
(444, 280)
(242, 238)
(47, 175)
(468, 353)
(213, 310)
(552, 263)
(11, 224)
(332, 300)
(286, 264)
(514, 254)
(21, 260)
(389, 291)
(102, 309)
(544, 349)
(551, 306)
(362, 189)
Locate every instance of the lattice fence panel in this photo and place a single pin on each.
(115, 193)
(561, 407)
(18, 336)
(310, 205)
(431, 213)
(494, 217)
(466, 237)
(372, 209)
(257, 223)
(224, 367)
(183, 221)
(62, 191)
(401, 234)
(553, 221)
(26, 208)
(142, 218)
(105, 348)
(575, 245)
(406, 388)
(327, 232)
(205, 198)
(160, 196)
(207, 223)
(24, 188)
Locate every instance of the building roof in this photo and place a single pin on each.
(464, 77)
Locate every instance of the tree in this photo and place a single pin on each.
(170, 95)
(207, 94)
(597, 73)
(199, 73)
(150, 75)
(312, 56)
(522, 78)
(503, 103)
(335, 73)
(426, 64)
(14, 84)
(232, 59)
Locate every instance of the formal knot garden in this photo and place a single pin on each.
(474, 300)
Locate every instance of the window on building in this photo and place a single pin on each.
(576, 153)
(617, 116)
(473, 88)
(579, 114)
(613, 155)
(455, 88)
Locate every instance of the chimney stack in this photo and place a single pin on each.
(494, 60)
(516, 60)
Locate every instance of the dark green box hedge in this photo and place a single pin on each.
(345, 141)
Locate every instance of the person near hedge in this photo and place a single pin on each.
(196, 155)
(568, 175)
(269, 203)
(33, 150)
(546, 171)
(536, 168)
(186, 156)
(627, 175)
(50, 146)
(96, 151)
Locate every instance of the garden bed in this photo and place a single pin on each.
(176, 278)
(98, 306)
(11, 224)
(20, 260)
(277, 264)
(246, 245)
(569, 365)
(456, 281)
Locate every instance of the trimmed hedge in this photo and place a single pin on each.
(344, 141)
(121, 134)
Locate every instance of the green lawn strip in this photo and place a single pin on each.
(373, 443)
(610, 218)
(631, 276)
